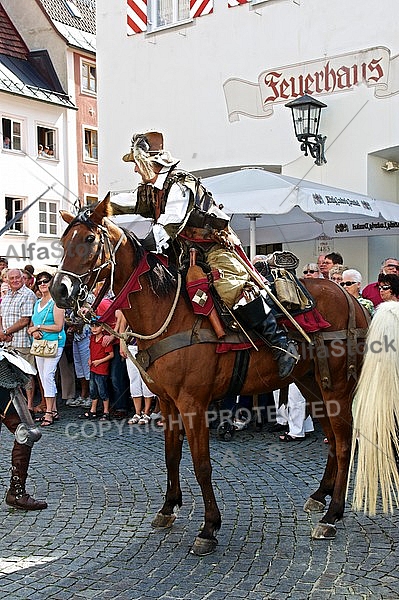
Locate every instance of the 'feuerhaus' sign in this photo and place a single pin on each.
(373, 67)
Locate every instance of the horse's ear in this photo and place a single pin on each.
(66, 216)
(103, 209)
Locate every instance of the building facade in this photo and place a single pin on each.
(54, 165)
(215, 78)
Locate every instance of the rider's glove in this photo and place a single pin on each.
(161, 237)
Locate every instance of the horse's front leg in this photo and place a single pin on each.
(197, 432)
(174, 435)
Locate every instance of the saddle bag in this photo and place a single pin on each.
(288, 291)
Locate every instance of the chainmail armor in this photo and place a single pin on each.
(11, 376)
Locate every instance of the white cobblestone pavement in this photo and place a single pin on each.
(105, 484)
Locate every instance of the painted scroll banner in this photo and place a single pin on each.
(373, 67)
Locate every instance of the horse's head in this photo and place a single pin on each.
(90, 242)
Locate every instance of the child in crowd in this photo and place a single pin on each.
(99, 361)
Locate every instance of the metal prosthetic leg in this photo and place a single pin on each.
(258, 316)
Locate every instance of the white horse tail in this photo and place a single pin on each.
(376, 415)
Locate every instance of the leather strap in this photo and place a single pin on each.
(183, 339)
(239, 374)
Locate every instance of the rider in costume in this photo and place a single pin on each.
(18, 420)
(181, 208)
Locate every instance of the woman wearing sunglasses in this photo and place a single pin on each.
(311, 270)
(352, 282)
(47, 323)
(388, 284)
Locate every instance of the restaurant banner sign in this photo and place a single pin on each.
(373, 67)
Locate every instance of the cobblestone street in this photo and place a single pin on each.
(104, 482)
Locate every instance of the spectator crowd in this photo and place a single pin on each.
(86, 367)
(93, 371)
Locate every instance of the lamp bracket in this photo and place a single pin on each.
(315, 145)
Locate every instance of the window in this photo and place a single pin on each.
(48, 218)
(46, 142)
(13, 206)
(11, 130)
(167, 12)
(89, 78)
(90, 145)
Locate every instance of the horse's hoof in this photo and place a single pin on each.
(163, 521)
(312, 505)
(324, 531)
(203, 546)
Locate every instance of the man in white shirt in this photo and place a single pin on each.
(182, 209)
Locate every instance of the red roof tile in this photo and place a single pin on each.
(11, 42)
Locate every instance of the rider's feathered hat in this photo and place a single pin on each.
(147, 148)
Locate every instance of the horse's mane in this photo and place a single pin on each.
(162, 279)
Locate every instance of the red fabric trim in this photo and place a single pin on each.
(225, 347)
(310, 321)
(132, 285)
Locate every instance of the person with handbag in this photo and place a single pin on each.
(47, 330)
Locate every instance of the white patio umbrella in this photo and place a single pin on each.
(269, 208)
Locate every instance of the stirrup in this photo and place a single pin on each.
(290, 350)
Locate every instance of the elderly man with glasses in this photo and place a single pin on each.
(389, 266)
(16, 310)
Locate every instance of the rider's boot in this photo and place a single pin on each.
(17, 496)
(258, 316)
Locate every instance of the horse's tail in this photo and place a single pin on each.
(376, 415)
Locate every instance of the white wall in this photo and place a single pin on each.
(173, 81)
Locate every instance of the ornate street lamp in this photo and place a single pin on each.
(306, 116)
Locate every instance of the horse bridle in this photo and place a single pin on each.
(105, 247)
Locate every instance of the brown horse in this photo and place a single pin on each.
(189, 375)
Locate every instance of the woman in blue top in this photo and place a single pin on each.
(47, 323)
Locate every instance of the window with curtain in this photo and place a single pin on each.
(167, 12)
(12, 134)
(13, 206)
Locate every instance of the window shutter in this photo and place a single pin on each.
(199, 8)
(136, 16)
